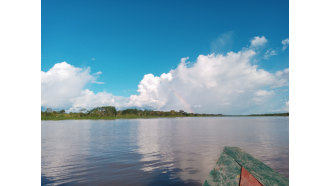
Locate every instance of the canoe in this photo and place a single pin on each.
(236, 167)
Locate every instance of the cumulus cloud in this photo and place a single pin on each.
(62, 83)
(62, 87)
(213, 84)
(258, 41)
(285, 44)
(216, 83)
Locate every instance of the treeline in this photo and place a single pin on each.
(272, 114)
(110, 112)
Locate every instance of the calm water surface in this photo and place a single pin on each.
(167, 151)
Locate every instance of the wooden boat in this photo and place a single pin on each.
(236, 167)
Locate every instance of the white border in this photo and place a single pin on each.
(20, 46)
(309, 92)
(20, 92)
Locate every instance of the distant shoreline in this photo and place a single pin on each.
(269, 114)
(54, 118)
(114, 118)
(111, 113)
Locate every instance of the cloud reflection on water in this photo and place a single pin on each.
(155, 151)
(194, 150)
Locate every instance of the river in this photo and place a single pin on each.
(162, 151)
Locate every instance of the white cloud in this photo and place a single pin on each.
(282, 78)
(63, 87)
(98, 73)
(258, 41)
(88, 99)
(62, 83)
(285, 43)
(269, 53)
(213, 84)
(263, 93)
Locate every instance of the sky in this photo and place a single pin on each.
(229, 57)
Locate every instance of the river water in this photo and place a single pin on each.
(165, 151)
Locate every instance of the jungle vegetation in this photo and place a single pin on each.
(110, 112)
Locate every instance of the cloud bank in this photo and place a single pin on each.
(215, 83)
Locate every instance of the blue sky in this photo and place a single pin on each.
(126, 40)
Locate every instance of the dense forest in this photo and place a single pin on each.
(110, 112)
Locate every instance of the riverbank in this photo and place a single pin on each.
(76, 116)
(110, 113)
(110, 117)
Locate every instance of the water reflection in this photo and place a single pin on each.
(193, 145)
(63, 150)
(174, 151)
